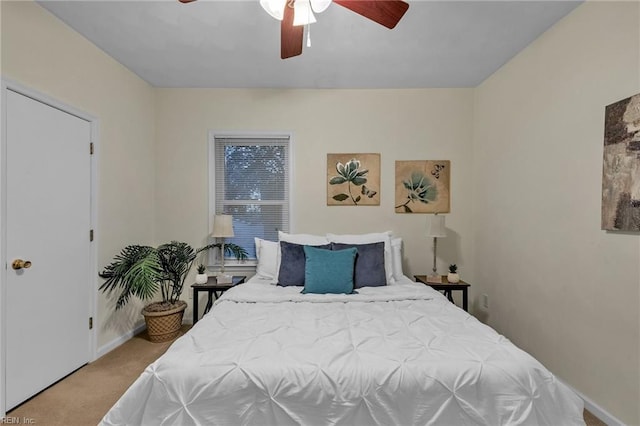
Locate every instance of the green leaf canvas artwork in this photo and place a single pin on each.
(353, 179)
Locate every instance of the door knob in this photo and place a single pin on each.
(19, 264)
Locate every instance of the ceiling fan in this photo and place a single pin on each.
(295, 14)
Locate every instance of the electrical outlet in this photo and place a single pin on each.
(485, 301)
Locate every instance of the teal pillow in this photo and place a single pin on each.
(329, 271)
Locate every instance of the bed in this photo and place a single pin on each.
(398, 354)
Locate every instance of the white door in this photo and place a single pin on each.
(48, 193)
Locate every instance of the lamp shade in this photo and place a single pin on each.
(303, 9)
(222, 226)
(436, 227)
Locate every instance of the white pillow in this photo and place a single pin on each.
(304, 239)
(396, 250)
(267, 254)
(370, 238)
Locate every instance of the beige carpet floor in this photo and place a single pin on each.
(83, 398)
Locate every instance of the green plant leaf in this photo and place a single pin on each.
(407, 209)
(358, 198)
(142, 270)
(336, 180)
(135, 271)
(144, 277)
(234, 249)
(340, 197)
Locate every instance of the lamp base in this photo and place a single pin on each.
(222, 278)
(436, 279)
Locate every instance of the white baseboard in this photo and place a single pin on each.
(103, 350)
(594, 408)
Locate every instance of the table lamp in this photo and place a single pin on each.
(436, 230)
(222, 228)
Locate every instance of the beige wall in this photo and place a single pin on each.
(526, 153)
(42, 53)
(559, 287)
(398, 124)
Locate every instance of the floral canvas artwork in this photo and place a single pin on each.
(422, 186)
(621, 166)
(353, 179)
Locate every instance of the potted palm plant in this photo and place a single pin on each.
(141, 271)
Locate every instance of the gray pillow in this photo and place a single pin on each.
(292, 263)
(369, 269)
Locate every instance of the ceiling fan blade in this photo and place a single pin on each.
(384, 12)
(290, 36)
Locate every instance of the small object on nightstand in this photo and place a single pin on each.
(453, 276)
(436, 279)
(201, 276)
(222, 278)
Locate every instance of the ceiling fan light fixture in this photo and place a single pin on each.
(320, 6)
(303, 15)
(274, 8)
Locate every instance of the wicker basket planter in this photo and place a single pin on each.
(163, 326)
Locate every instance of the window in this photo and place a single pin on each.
(250, 178)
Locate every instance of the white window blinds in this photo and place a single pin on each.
(252, 183)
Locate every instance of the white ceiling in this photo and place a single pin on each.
(236, 44)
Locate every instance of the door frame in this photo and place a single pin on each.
(9, 85)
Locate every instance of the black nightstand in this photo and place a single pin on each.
(447, 288)
(213, 289)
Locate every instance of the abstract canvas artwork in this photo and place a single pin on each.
(621, 166)
(422, 186)
(353, 179)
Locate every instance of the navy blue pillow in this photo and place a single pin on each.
(329, 271)
(292, 263)
(369, 270)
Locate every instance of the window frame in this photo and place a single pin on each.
(213, 261)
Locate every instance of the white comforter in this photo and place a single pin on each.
(397, 355)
